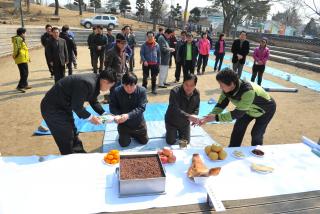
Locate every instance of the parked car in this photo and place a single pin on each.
(103, 20)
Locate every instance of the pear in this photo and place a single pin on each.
(216, 148)
(213, 156)
(222, 155)
(207, 149)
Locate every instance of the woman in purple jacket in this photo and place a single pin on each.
(260, 56)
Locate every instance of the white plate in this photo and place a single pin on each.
(237, 157)
(258, 156)
(108, 164)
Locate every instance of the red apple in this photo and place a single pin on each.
(164, 159)
(172, 159)
(160, 152)
(167, 152)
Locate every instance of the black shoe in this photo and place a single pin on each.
(21, 90)
(154, 92)
(78, 146)
(198, 73)
(167, 84)
(162, 86)
(75, 66)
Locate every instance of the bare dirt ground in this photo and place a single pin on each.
(41, 15)
(297, 113)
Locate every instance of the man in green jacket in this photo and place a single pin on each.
(252, 103)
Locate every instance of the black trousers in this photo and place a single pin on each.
(188, 67)
(91, 57)
(131, 60)
(257, 69)
(61, 125)
(24, 72)
(202, 60)
(174, 132)
(219, 59)
(58, 72)
(98, 55)
(178, 71)
(50, 67)
(172, 54)
(154, 70)
(138, 133)
(69, 66)
(258, 130)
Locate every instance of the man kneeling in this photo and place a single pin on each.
(183, 108)
(128, 102)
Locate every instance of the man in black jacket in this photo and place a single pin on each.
(178, 60)
(188, 55)
(99, 42)
(69, 95)
(57, 52)
(240, 49)
(44, 41)
(183, 108)
(71, 45)
(90, 43)
(127, 103)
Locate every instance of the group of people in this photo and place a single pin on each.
(60, 51)
(127, 100)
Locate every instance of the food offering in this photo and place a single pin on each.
(112, 157)
(199, 169)
(261, 168)
(107, 118)
(141, 174)
(215, 152)
(238, 154)
(167, 156)
(258, 153)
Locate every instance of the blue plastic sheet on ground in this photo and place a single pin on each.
(247, 76)
(154, 112)
(305, 82)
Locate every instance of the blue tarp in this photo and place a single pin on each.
(308, 83)
(154, 112)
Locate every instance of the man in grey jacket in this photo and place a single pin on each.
(165, 57)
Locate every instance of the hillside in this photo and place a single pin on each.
(40, 15)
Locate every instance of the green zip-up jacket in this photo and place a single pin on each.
(249, 98)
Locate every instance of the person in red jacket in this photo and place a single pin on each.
(204, 51)
(260, 56)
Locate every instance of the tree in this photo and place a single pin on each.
(56, 5)
(185, 13)
(80, 4)
(95, 3)
(112, 5)
(28, 5)
(155, 14)
(124, 7)
(140, 6)
(312, 6)
(175, 12)
(311, 28)
(289, 17)
(235, 11)
(195, 15)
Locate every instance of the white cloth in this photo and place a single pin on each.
(81, 183)
(163, 74)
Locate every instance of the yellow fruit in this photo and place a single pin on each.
(216, 148)
(110, 157)
(213, 156)
(207, 149)
(222, 155)
(114, 161)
